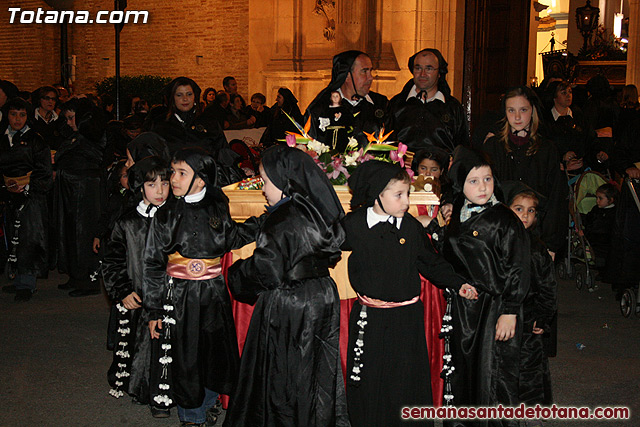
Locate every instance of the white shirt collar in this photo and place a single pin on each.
(556, 114)
(10, 134)
(194, 198)
(54, 116)
(146, 210)
(413, 93)
(374, 218)
(351, 101)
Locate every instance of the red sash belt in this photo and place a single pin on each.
(376, 303)
(193, 269)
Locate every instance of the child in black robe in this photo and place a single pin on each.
(599, 224)
(122, 270)
(539, 304)
(185, 294)
(488, 245)
(25, 162)
(290, 373)
(387, 359)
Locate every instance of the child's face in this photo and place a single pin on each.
(602, 200)
(428, 167)
(70, 117)
(184, 98)
(525, 208)
(519, 112)
(17, 119)
(181, 176)
(394, 198)
(124, 177)
(155, 192)
(272, 193)
(478, 186)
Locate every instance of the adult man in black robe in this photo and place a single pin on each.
(351, 77)
(425, 114)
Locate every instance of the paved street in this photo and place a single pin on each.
(53, 360)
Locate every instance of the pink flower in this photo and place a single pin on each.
(291, 140)
(410, 172)
(398, 155)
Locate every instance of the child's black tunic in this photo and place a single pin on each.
(386, 264)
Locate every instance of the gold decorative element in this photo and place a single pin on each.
(402, 241)
(475, 233)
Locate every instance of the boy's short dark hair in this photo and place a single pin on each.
(226, 80)
(221, 96)
(159, 170)
(608, 190)
(260, 97)
(18, 104)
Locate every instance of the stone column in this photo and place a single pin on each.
(633, 53)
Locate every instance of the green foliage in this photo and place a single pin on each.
(148, 87)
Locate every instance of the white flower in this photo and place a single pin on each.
(163, 399)
(352, 144)
(324, 123)
(163, 386)
(116, 393)
(351, 159)
(166, 347)
(317, 146)
(168, 307)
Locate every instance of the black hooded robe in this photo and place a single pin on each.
(80, 195)
(422, 125)
(290, 372)
(27, 213)
(491, 250)
(122, 269)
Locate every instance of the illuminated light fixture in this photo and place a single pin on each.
(617, 24)
(587, 21)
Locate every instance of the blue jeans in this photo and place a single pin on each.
(25, 281)
(198, 415)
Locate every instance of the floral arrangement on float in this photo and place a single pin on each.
(339, 165)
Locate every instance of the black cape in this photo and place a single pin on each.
(491, 251)
(290, 372)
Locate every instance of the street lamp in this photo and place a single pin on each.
(587, 21)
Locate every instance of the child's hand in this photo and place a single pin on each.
(424, 220)
(152, 328)
(132, 301)
(506, 327)
(446, 211)
(537, 331)
(96, 244)
(467, 291)
(552, 254)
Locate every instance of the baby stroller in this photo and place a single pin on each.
(630, 299)
(580, 260)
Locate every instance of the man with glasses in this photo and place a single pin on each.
(425, 114)
(351, 78)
